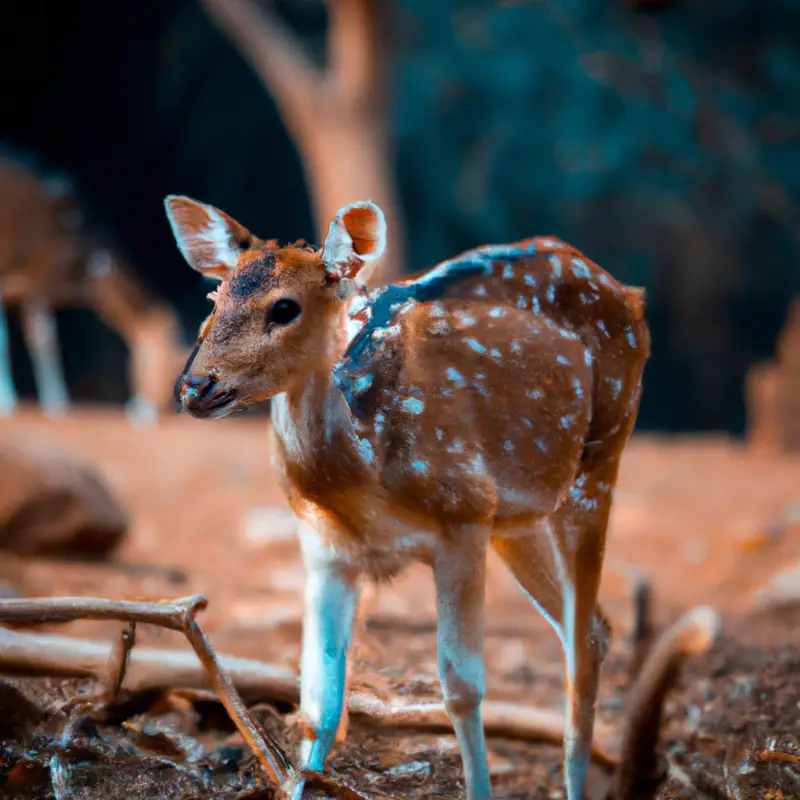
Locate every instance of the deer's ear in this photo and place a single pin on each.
(356, 236)
(210, 240)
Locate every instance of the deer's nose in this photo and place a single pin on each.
(194, 389)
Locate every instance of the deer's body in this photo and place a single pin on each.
(483, 403)
(49, 260)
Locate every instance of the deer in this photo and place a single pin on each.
(50, 259)
(482, 403)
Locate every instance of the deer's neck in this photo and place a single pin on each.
(314, 427)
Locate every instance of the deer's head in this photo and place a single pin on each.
(278, 310)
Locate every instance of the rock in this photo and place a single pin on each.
(53, 503)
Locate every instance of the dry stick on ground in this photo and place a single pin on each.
(178, 615)
(336, 115)
(163, 669)
(693, 633)
(642, 635)
(117, 664)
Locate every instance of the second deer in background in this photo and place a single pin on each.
(49, 260)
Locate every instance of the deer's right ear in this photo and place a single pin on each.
(210, 240)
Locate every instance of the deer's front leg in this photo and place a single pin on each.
(331, 599)
(460, 572)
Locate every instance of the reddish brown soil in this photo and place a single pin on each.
(693, 515)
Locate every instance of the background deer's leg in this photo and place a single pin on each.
(41, 337)
(331, 600)
(544, 571)
(8, 395)
(460, 573)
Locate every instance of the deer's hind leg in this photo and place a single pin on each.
(558, 567)
(460, 575)
(8, 395)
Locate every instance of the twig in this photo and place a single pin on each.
(161, 669)
(694, 633)
(777, 755)
(117, 664)
(178, 615)
(642, 625)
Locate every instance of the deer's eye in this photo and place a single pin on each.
(283, 312)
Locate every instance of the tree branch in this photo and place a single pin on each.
(276, 56)
(355, 44)
(177, 615)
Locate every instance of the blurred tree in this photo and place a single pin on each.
(337, 114)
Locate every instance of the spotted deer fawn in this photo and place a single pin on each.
(484, 402)
(49, 260)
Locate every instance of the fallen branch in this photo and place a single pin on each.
(158, 669)
(178, 615)
(694, 633)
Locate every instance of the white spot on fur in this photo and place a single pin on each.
(508, 272)
(467, 320)
(413, 405)
(581, 269)
(497, 311)
(555, 263)
(475, 345)
(365, 450)
(454, 375)
(551, 293)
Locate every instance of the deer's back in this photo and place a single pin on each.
(38, 247)
(478, 388)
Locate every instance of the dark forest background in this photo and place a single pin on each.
(660, 139)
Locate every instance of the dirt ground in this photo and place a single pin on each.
(707, 521)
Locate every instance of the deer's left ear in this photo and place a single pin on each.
(357, 236)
